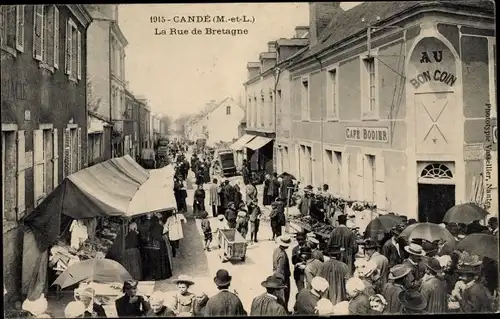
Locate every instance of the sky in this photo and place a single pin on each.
(179, 74)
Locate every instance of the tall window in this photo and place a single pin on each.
(72, 150)
(228, 110)
(369, 91)
(112, 56)
(73, 51)
(305, 107)
(46, 36)
(370, 179)
(12, 27)
(332, 98)
(337, 158)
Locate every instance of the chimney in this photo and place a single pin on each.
(253, 69)
(301, 31)
(320, 14)
(271, 46)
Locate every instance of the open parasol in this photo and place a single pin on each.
(465, 213)
(428, 231)
(381, 225)
(98, 270)
(483, 245)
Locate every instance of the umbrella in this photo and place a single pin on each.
(381, 225)
(99, 270)
(428, 231)
(483, 245)
(465, 213)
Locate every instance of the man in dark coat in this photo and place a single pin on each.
(228, 193)
(130, 304)
(415, 263)
(475, 298)
(433, 287)
(194, 163)
(267, 304)
(402, 279)
(281, 265)
(274, 185)
(245, 173)
(231, 215)
(344, 237)
(298, 261)
(393, 249)
(286, 187)
(336, 273)
(224, 303)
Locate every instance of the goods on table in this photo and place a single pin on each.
(62, 255)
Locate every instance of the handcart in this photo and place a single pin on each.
(233, 245)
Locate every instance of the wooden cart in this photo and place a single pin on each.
(233, 244)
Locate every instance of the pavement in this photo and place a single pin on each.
(202, 265)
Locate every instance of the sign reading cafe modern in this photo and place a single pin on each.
(368, 134)
(442, 75)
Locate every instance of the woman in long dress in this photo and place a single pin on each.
(156, 252)
(199, 201)
(133, 262)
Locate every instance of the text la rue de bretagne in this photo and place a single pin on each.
(202, 19)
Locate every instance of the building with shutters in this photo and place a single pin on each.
(106, 72)
(267, 141)
(44, 119)
(392, 109)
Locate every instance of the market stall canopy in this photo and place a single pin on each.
(155, 195)
(258, 142)
(130, 168)
(100, 190)
(240, 143)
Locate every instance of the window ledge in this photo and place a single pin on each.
(332, 119)
(43, 65)
(8, 49)
(370, 117)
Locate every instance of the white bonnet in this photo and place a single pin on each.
(319, 284)
(324, 307)
(342, 308)
(354, 285)
(74, 309)
(36, 307)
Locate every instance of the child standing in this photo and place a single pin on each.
(207, 230)
(242, 223)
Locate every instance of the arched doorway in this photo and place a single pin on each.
(436, 192)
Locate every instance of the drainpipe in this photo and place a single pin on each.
(321, 130)
(110, 94)
(277, 72)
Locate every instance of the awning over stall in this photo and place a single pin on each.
(155, 195)
(240, 143)
(130, 168)
(100, 190)
(258, 142)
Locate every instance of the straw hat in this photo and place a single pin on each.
(184, 279)
(284, 241)
(398, 271)
(414, 249)
(368, 268)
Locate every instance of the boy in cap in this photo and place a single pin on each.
(207, 230)
(254, 218)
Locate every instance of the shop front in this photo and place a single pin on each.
(259, 155)
(435, 113)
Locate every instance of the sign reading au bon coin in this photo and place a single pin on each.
(367, 134)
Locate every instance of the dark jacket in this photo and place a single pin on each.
(99, 312)
(136, 309)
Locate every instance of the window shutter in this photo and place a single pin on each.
(38, 165)
(20, 28)
(38, 33)
(55, 158)
(79, 55)
(79, 152)
(359, 172)
(67, 153)
(69, 48)
(380, 181)
(21, 207)
(56, 38)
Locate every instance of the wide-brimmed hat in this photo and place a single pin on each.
(433, 264)
(368, 268)
(273, 282)
(222, 278)
(413, 300)
(398, 271)
(183, 279)
(129, 284)
(414, 249)
(284, 240)
(370, 244)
